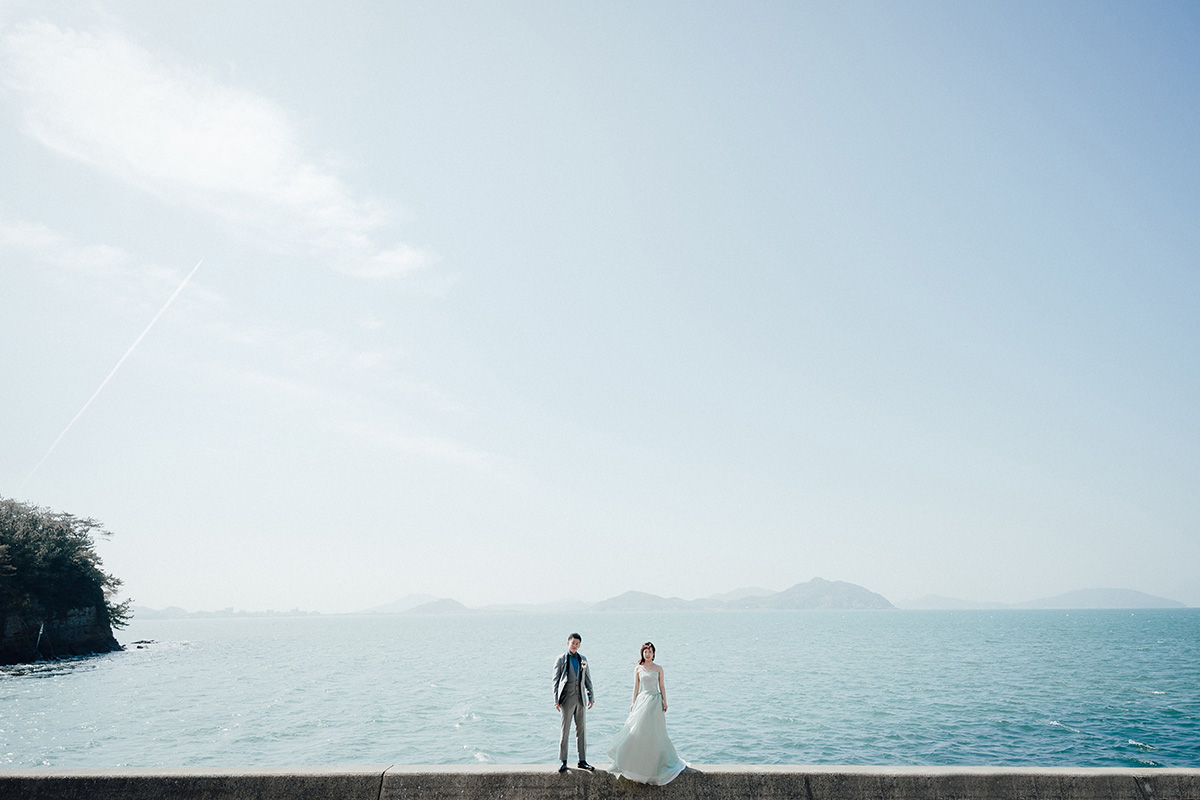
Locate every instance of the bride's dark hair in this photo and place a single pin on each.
(642, 652)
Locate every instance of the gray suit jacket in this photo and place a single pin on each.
(562, 673)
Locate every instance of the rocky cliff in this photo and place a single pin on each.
(81, 632)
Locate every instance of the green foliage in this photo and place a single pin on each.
(49, 565)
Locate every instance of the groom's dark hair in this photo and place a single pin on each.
(575, 636)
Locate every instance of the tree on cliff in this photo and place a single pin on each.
(49, 566)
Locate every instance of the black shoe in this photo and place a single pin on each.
(563, 767)
(584, 765)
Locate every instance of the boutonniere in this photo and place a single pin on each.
(582, 663)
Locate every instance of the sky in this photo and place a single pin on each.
(524, 302)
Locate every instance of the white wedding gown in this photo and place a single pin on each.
(642, 751)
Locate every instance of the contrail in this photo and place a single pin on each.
(136, 341)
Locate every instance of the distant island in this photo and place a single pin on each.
(55, 599)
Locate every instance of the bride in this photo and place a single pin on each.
(642, 750)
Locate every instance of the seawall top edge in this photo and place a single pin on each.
(538, 769)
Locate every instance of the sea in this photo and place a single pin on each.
(886, 687)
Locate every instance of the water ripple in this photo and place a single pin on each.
(934, 688)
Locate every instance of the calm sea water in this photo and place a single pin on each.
(1035, 688)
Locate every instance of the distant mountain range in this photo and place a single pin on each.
(815, 594)
(1081, 599)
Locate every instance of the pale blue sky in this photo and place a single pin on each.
(522, 302)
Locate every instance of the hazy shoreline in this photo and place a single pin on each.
(816, 594)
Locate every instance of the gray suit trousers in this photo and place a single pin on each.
(572, 708)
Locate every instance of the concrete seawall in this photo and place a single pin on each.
(542, 783)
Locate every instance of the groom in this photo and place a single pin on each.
(571, 679)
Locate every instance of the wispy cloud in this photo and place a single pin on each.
(102, 269)
(303, 350)
(308, 366)
(180, 134)
(351, 414)
(292, 350)
(46, 245)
